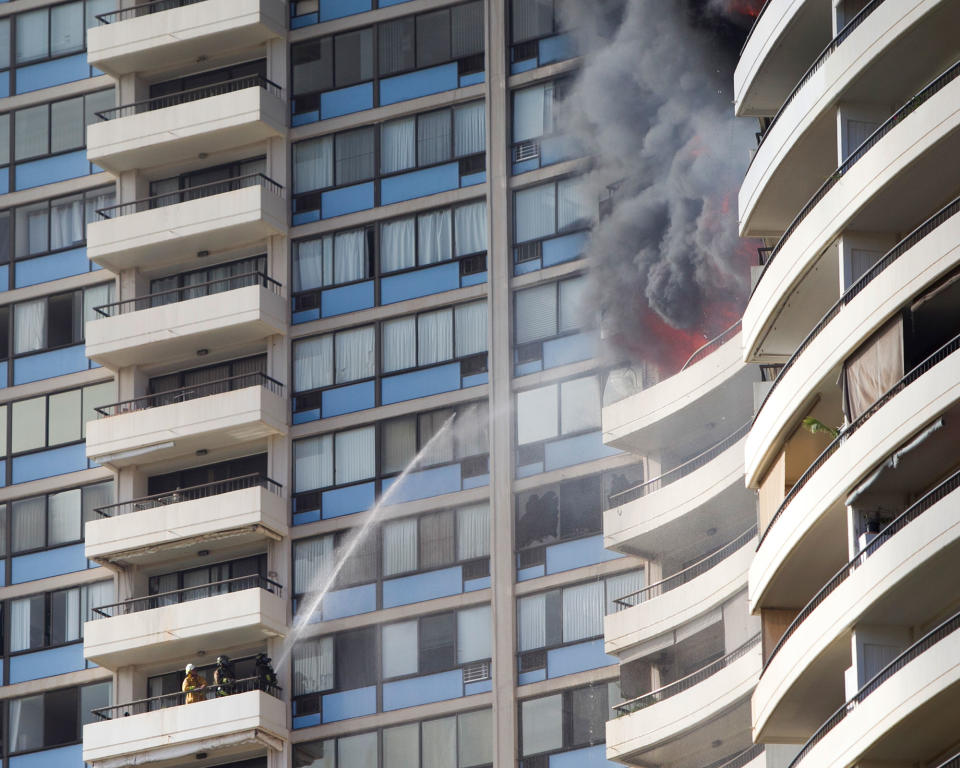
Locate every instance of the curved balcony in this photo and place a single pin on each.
(785, 36)
(875, 59)
(250, 721)
(678, 723)
(172, 228)
(155, 36)
(172, 325)
(217, 415)
(891, 576)
(180, 126)
(807, 533)
(913, 264)
(910, 150)
(905, 713)
(646, 614)
(663, 517)
(707, 391)
(243, 510)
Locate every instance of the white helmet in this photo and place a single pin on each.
(189, 668)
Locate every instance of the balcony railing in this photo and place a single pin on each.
(671, 476)
(922, 645)
(712, 345)
(191, 193)
(686, 683)
(912, 512)
(193, 493)
(187, 292)
(144, 9)
(889, 124)
(686, 575)
(155, 703)
(191, 95)
(937, 357)
(191, 393)
(946, 213)
(744, 758)
(187, 595)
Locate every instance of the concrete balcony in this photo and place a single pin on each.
(220, 414)
(165, 732)
(181, 126)
(680, 724)
(172, 228)
(143, 532)
(156, 36)
(173, 325)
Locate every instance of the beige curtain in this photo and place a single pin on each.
(873, 369)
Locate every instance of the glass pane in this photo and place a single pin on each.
(29, 424)
(314, 754)
(313, 463)
(588, 715)
(312, 66)
(440, 743)
(399, 443)
(31, 128)
(467, 32)
(4, 139)
(541, 723)
(355, 455)
(66, 125)
(535, 212)
(396, 46)
(401, 746)
(433, 38)
(433, 137)
(32, 36)
(65, 417)
(26, 723)
(537, 414)
(579, 405)
(27, 523)
(93, 697)
(354, 155)
(399, 344)
(536, 313)
(66, 28)
(353, 62)
(95, 396)
(64, 518)
(357, 751)
(400, 649)
(476, 738)
(5, 48)
(473, 634)
(583, 607)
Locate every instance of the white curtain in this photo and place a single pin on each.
(355, 455)
(308, 265)
(442, 449)
(35, 232)
(400, 649)
(63, 518)
(434, 336)
(471, 320)
(313, 164)
(20, 624)
(537, 414)
(399, 344)
(435, 237)
(531, 622)
(397, 246)
(66, 28)
(29, 326)
(573, 209)
(473, 531)
(440, 743)
(96, 296)
(97, 200)
(528, 113)
(621, 585)
(536, 313)
(96, 595)
(27, 524)
(400, 546)
(433, 137)
(94, 497)
(350, 256)
(312, 363)
(579, 405)
(476, 738)
(535, 212)
(32, 35)
(313, 463)
(399, 443)
(583, 611)
(401, 746)
(312, 666)
(355, 354)
(571, 304)
(470, 223)
(72, 618)
(357, 751)
(398, 145)
(354, 155)
(66, 223)
(473, 430)
(469, 130)
(473, 634)
(312, 559)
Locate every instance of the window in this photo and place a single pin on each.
(333, 359)
(549, 209)
(434, 337)
(56, 321)
(535, 111)
(55, 419)
(54, 618)
(566, 408)
(205, 182)
(206, 581)
(49, 33)
(208, 473)
(568, 720)
(55, 225)
(532, 19)
(247, 69)
(208, 380)
(45, 522)
(405, 436)
(58, 127)
(54, 718)
(551, 309)
(335, 259)
(206, 282)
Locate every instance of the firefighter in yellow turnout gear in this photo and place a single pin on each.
(193, 685)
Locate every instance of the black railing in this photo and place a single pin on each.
(953, 762)
(922, 645)
(191, 193)
(191, 393)
(743, 758)
(686, 683)
(912, 512)
(144, 9)
(686, 575)
(892, 122)
(192, 493)
(191, 95)
(655, 484)
(187, 595)
(187, 292)
(941, 354)
(713, 344)
(139, 707)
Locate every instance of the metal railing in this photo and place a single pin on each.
(744, 758)
(187, 595)
(155, 703)
(191, 193)
(191, 393)
(690, 465)
(910, 514)
(941, 354)
(686, 575)
(953, 762)
(888, 125)
(686, 683)
(190, 95)
(187, 292)
(922, 645)
(715, 343)
(192, 493)
(144, 9)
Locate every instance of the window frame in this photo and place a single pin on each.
(8, 747)
(46, 643)
(566, 723)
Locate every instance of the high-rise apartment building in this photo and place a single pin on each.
(257, 253)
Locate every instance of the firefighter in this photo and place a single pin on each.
(193, 685)
(224, 676)
(265, 674)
